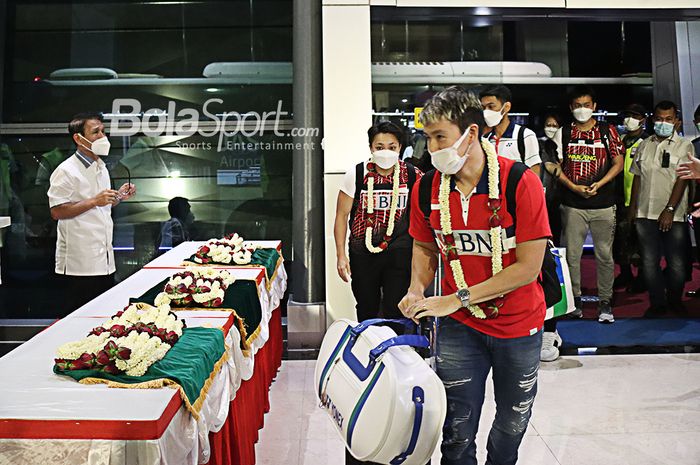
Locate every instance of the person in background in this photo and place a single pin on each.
(626, 245)
(658, 208)
(379, 263)
(690, 169)
(81, 201)
(461, 197)
(591, 154)
(176, 230)
(549, 174)
(510, 139)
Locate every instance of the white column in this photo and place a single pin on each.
(347, 114)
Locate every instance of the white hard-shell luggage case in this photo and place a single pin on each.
(385, 401)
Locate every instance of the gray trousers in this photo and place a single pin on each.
(601, 223)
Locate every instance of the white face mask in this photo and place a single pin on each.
(99, 147)
(448, 160)
(582, 114)
(632, 124)
(550, 131)
(492, 117)
(385, 159)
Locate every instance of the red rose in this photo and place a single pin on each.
(111, 369)
(168, 288)
(171, 338)
(124, 353)
(181, 289)
(80, 365)
(119, 313)
(61, 364)
(117, 331)
(97, 331)
(494, 204)
(494, 221)
(203, 290)
(204, 249)
(384, 245)
(102, 358)
(449, 239)
(88, 359)
(217, 302)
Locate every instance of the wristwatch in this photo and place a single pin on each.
(463, 296)
(670, 208)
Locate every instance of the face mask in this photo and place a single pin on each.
(549, 131)
(385, 159)
(447, 160)
(582, 114)
(632, 124)
(492, 118)
(663, 129)
(99, 147)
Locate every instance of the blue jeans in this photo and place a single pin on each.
(672, 245)
(464, 358)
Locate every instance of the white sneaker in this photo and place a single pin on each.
(550, 346)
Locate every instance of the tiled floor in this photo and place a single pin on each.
(596, 410)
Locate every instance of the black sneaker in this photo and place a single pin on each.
(605, 314)
(578, 311)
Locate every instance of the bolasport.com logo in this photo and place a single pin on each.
(128, 119)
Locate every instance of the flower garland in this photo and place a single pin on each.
(204, 286)
(371, 215)
(494, 204)
(129, 342)
(230, 249)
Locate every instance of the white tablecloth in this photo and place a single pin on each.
(31, 391)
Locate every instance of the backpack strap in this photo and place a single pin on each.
(424, 190)
(359, 184)
(605, 136)
(521, 142)
(411, 170)
(565, 139)
(516, 172)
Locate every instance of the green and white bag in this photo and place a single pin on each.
(566, 304)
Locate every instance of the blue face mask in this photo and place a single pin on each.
(663, 129)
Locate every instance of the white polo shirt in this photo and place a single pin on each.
(656, 182)
(507, 144)
(84, 243)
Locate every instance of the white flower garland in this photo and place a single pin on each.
(392, 209)
(145, 349)
(197, 277)
(494, 232)
(230, 249)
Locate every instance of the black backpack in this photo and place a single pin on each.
(548, 279)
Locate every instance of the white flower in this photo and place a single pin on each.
(392, 209)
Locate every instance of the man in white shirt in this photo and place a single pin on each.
(658, 207)
(511, 140)
(81, 200)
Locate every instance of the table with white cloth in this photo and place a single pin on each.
(46, 418)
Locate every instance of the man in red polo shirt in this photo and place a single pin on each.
(492, 309)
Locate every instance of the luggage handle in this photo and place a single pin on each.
(375, 321)
(418, 400)
(362, 372)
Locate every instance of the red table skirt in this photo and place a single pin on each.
(234, 444)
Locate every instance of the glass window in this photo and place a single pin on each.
(197, 98)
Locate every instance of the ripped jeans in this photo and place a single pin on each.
(464, 358)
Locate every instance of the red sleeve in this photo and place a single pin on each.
(419, 229)
(617, 148)
(532, 221)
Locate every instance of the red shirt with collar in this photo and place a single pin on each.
(523, 309)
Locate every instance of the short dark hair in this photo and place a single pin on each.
(77, 122)
(178, 207)
(386, 127)
(666, 105)
(696, 115)
(502, 93)
(582, 90)
(455, 105)
(554, 116)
